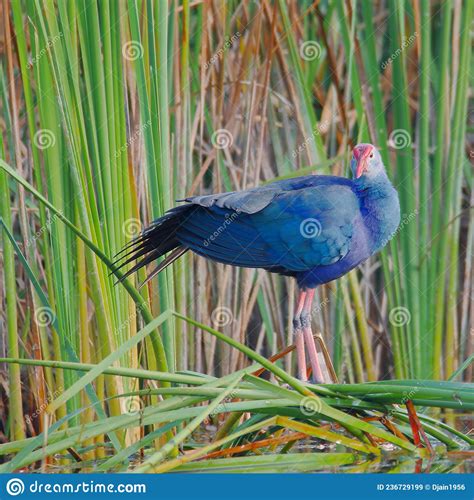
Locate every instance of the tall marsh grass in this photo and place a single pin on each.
(111, 110)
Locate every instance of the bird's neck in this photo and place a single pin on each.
(370, 186)
(379, 207)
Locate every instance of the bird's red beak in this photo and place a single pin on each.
(361, 154)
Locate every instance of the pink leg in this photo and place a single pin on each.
(308, 337)
(299, 340)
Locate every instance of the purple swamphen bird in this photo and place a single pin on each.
(314, 228)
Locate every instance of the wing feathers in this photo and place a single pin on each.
(258, 228)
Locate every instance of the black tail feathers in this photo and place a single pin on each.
(155, 241)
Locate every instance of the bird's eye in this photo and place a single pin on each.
(371, 155)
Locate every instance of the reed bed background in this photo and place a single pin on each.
(112, 110)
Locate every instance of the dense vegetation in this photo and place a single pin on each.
(111, 110)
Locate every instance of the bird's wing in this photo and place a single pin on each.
(249, 201)
(311, 228)
(294, 231)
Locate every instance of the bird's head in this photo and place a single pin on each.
(366, 162)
